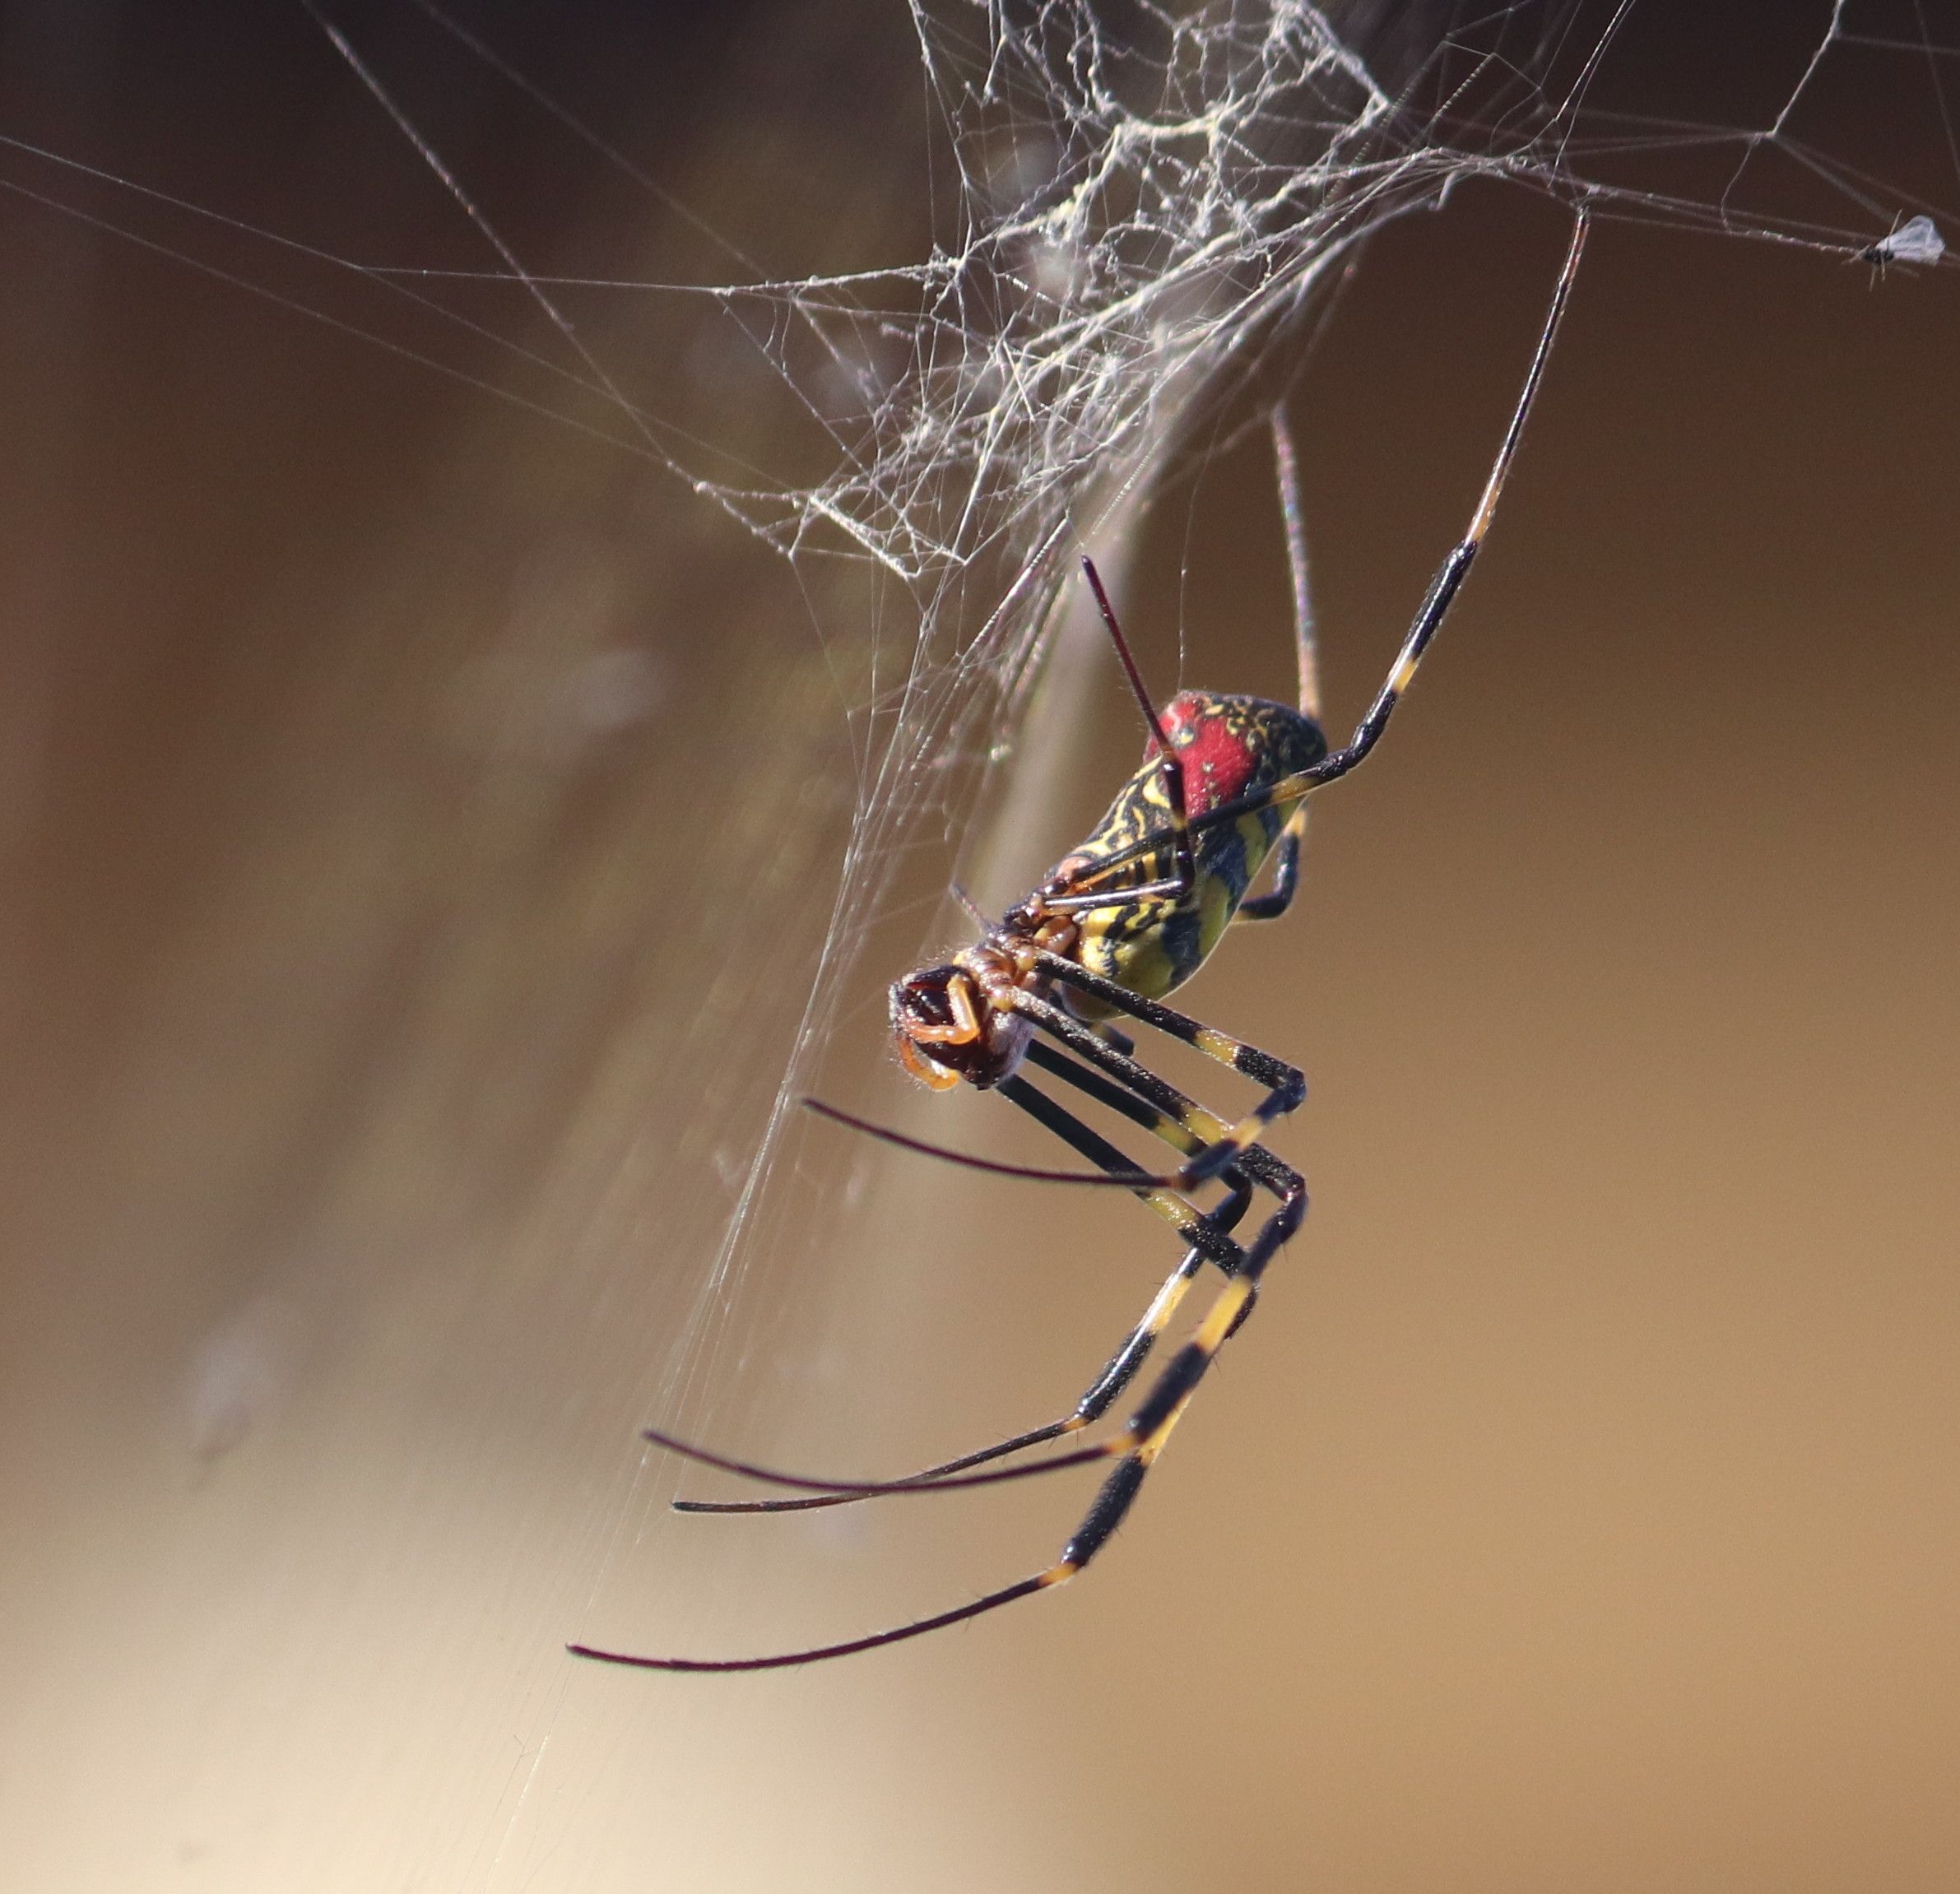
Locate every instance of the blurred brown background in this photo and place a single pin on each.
(419, 819)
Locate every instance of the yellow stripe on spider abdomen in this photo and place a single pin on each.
(1230, 747)
(1151, 948)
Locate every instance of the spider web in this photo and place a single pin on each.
(1151, 207)
(1141, 213)
(1140, 210)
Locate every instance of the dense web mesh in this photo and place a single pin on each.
(1150, 206)
(1140, 211)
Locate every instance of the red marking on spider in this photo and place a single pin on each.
(1218, 763)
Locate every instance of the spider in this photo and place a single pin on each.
(1222, 787)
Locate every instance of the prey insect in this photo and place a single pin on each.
(1115, 926)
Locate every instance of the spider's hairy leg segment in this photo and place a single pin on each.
(1139, 1110)
(1104, 1516)
(1158, 1107)
(1163, 1194)
(1150, 1425)
(1255, 1165)
(1202, 1126)
(1216, 1146)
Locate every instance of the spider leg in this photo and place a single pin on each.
(993, 1601)
(1286, 1085)
(843, 1489)
(1257, 1164)
(1223, 1144)
(1145, 1100)
(1286, 873)
(1207, 1234)
(1139, 1445)
(1286, 470)
(1218, 1144)
(1161, 1192)
(1435, 607)
(1153, 1107)
(1170, 765)
(1286, 862)
(1095, 1402)
(1160, 1108)
(1450, 574)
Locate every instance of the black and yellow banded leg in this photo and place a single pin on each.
(1096, 1400)
(1197, 1129)
(1154, 1110)
(1163, 1110)
(1158, 1111)
(1455, 568)
(1220, 1145)
(1160, 1107)
(1286, 1085)
(1170, 1203)
(1286, 873)
(1290, 791)
(1255, 1164)
(1208, 1234)
(1138, 1446)
(1149, 1428)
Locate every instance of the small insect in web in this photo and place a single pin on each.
(1915, 241)
(1116, 926)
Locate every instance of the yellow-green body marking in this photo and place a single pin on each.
(1230, 747)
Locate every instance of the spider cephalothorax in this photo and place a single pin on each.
(958, 1020)
(948, 1027)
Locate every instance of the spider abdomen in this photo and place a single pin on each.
(1230, 747)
